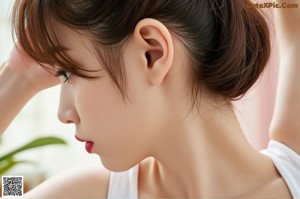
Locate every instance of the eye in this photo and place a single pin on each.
(63, 74)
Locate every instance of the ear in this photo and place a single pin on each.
(155, 40)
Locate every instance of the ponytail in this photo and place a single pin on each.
(241, 49)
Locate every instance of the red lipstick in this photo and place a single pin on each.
(88, 144)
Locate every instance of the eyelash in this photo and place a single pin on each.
(64, 74)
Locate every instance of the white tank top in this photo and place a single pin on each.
(124, 185)
(287, 163)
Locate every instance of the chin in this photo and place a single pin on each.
(117, 165)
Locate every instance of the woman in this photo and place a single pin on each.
(149, 85)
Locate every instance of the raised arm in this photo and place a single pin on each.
(20, 79)
(285, 125)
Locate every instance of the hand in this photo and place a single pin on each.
(37, 77)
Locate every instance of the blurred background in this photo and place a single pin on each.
(39, 118)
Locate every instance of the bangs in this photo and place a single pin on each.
(33, 26)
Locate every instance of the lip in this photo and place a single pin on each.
(79, 139)
(88, 144)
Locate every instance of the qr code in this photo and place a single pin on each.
(12, 186)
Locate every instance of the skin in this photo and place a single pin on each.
(192, 155)
(25, 77)
(285, 124)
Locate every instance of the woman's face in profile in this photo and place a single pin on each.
(122, 131)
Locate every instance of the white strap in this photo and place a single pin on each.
(123, 185)
(287, 163)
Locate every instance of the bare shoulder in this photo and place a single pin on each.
(80, 182)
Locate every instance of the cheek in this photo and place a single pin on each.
(97, 105)
(105, 118)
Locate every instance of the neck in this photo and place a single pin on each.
(206, 154)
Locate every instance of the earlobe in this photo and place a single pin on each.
(158, 48)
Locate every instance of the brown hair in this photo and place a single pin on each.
(228, 43)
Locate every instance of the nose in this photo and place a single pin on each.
(67, 112)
